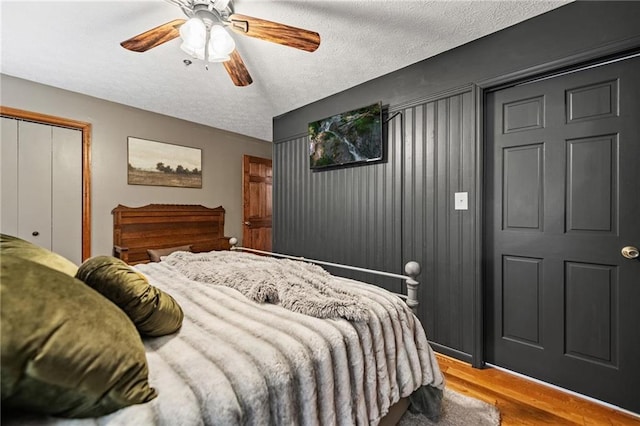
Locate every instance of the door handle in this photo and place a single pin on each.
(35, 233)
(247, 223)
(630, 252)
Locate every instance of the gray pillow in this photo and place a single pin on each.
(154, 255)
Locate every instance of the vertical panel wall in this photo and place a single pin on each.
(349, 215)
(380, 216)
(432, 154)
(440, 160)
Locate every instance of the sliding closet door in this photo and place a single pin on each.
(9, 177)
(42, 186)
(34, 183)
(66, 187)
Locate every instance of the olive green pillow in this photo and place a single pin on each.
(154, 312)
(26, 250)
(65, 350)
(154, 255)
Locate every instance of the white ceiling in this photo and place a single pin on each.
(75, 45)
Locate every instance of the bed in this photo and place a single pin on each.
(235, 361)
(162, 226)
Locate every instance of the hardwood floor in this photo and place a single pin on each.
(524, 402)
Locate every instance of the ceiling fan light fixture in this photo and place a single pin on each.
(221, 43)
(217, 55)
(196, 53)
(221, 58)
(220, 5)
(193, 33)
(205, 37)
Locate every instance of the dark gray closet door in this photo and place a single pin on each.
(563, 197)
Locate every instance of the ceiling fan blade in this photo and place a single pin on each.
(275, 32)
(237, 70)
(154, 37)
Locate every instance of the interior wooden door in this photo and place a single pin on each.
(563, 197)
(257, 195)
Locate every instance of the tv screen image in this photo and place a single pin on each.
(346, 138)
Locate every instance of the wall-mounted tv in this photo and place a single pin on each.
(347, 138)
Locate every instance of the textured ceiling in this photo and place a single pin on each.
(75, 46)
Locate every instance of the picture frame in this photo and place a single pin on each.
(156, 163)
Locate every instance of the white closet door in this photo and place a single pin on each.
(67, 193)
(41, 182)
(9, 177)
(34, 183)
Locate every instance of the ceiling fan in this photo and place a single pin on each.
(204, 35)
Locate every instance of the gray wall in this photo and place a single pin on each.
(329, 215)
(565, 31)
(382, 215)
(112, 123)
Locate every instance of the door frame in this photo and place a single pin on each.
(573, 62)
(85, 128)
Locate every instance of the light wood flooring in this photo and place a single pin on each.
(524, 402)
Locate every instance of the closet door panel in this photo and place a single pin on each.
(9, 177)
(34, 183)
(67, 190)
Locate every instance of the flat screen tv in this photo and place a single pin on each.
(348, 138)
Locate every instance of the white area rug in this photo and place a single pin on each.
(458, 409)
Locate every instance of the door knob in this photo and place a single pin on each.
(247, 223)
(630, 252)
(35, 233)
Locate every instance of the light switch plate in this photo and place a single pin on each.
(461, 201)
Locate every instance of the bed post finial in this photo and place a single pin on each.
(412, 269)
(233, 241)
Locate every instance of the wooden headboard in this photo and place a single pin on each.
(157, 226)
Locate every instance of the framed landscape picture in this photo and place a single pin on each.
(163, 164)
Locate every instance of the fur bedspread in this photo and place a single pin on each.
(298, 286)
(237, 362)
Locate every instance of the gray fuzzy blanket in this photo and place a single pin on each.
(237, 362)
(298, 286)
